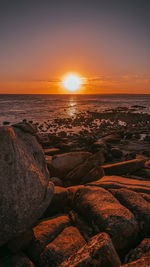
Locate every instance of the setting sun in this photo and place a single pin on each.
(72, 82)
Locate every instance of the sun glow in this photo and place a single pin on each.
(72, 82)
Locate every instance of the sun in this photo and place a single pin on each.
(72, 82)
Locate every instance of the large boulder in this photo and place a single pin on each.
(98, 252)
(64, 245)
(44, 233)
(25, 191)
(104, 213)
(88, 171)
(137, 205)
(124, 167)
(116, 182)
(138, 252)
(62, 164)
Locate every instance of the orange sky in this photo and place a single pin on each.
(134, 84)
(105, 42)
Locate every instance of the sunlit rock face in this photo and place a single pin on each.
(25, 191)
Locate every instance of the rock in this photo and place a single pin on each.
(26, 127)
(113, 139)
(124, 167)
(81, 224)
(75, 176)
(116, 182)
(14, 260)
(104, 213)
(6, 122)
(21, 260)
(147, 164)
(62, 164)
(93, 175)
(56, 181)
(138, 252)
(66, 244)
(137, 205)
(116, 153)
(142, 262)
(44, 233)
(98, 252)
(20, 242)
(51, 151)
(25, 190)
(59, 203)
(144, 173)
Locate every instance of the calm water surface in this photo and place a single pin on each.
(14, 108)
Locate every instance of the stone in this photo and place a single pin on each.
(14, 260)
(56, 181)
(112, 139)
(59, 203)
(75, 176)
(21, 260)
(143, 173)
(25, 190)
(138, 252)
(124, 167)
(137, 205)
(98, 252)
(144, 261)
(66, 244)
(94, 174)
(20, 242)
(51, 151)
(26, 127)
(116, 182)
(62, 164)
(116, 153)
(44, 233)
(105, 214)
(83, 226)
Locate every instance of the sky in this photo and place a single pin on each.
(106, 42)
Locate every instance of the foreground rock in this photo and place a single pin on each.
(116, 182)
(138, 206)
(25, 190)
(139, 251)
(144, 261)
(105, 213)
(62, 164)
(66, 244)
(44, 233)
(98, 252)
(124, 167)
(80, 174)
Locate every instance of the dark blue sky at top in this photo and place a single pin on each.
(114, 29)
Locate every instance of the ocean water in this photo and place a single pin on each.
(39, 108)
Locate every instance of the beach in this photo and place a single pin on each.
(84, 188)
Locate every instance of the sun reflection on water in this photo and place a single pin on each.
(72, 107)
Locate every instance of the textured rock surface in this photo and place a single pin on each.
(78, 174)
(139, 251)
(116, 182)
(25, 191)
(144, 261)
(62, 164)
(124, 167)
(138, 206)
(59, 203)
(106, 214)
(44, 233)
(66, 244)
(98, 252)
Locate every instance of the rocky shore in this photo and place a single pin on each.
(76, 198)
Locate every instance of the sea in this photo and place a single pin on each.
(39, 108)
